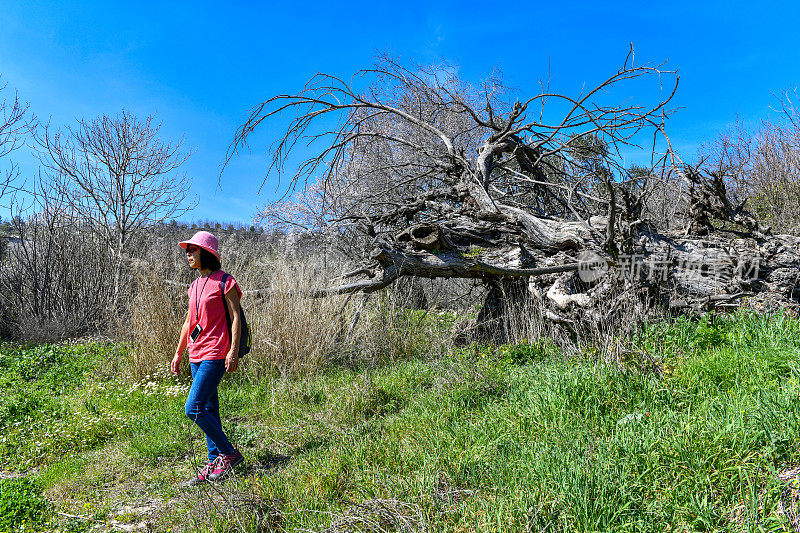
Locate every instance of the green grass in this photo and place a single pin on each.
(511, 438)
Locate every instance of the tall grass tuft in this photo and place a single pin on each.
(157, 312)
(391, 328)
(293, 333)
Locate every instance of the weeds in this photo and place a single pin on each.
(21, 505)
(157, 312)
(297, 335)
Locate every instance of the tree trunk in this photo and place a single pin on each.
(498, 315)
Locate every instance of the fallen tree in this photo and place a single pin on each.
(429, 177)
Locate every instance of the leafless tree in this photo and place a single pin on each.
(16, 123)
(444, 180)
(119, 175)
(762, 165)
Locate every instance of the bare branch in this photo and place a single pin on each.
(16, 123)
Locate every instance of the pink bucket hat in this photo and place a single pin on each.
(204, 240)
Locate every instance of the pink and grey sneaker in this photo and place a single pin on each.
(224, 465)
(203, 476)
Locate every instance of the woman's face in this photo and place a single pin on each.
(193, 256)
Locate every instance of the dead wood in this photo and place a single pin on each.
(442, 180)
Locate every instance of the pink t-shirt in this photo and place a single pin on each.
(206, 301)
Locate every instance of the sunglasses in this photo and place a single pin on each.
(192, 249)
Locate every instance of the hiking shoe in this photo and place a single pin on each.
(203, 476)
(224, 465)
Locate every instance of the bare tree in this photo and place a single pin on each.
(16, 123)
(120, 176)
(444, 180)
(763, 165)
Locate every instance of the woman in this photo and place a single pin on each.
(213, 349)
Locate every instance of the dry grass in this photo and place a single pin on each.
(390, 328)
(293, 334)
(157, 311)
(379, 516)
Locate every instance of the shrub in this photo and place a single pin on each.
(57, 275)
(762, 165)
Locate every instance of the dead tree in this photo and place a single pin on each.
(442, 180)
(58, 279)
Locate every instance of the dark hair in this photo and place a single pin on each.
(209, 260)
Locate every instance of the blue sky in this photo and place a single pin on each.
(201, 65)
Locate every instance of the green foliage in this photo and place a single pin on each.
(474, 252)
(58, 367)
(21, 505)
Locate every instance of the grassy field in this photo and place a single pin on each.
(686, 427)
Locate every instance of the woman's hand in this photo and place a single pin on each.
(175, 365)
(232, 362)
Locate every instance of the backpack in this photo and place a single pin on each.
(245, 339)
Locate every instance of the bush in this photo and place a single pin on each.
(58, 276)
(762, 165)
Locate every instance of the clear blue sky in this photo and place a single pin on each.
(201, 65)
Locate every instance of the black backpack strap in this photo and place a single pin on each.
(224, 303)
(222, 283)
(244, 334)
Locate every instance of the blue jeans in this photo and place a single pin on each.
(202, 406)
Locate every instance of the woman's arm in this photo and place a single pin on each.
(176, 361)
(232, 301)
